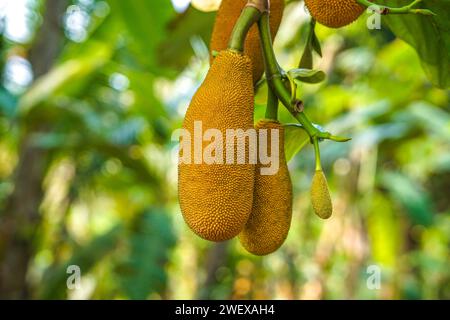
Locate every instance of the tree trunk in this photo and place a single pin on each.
(216, 258)
(21, 218)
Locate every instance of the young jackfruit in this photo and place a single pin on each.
(228, 14)
(270, 219)
(320, 196)
(216, 199)
(334, 13)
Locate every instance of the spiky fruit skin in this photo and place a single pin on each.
(270, 220)
(334, 13)
(227, 15)
(216, 199)
(320, 196)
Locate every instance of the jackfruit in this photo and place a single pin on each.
(320, 196)
(216, 199)
(334, 13)
(228, 14)
(270, 219)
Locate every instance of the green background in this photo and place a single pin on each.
(88, 173)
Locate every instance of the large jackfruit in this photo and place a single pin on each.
(228, 14)
(334, 13)
(270, 220)
(216, 199)
(320, 196)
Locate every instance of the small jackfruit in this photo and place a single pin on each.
(270, 219)
(320, 196)
(334, 13)
(228, 14)
(216, 199)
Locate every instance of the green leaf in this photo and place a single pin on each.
(307, 58)
(307, 75)
(176, 50)
(86, 257)
(429, 35)
(295, 139)
(143, 269)
(61, 79)
(144, 99)
(312, 44)
(411, 196)
(146, 22)
(315, 42)
(307, 61)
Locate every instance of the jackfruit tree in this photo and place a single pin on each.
(221, 201)
(92, 94)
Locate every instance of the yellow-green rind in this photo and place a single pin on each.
(320, 196)
(270, 219)
(216, 199)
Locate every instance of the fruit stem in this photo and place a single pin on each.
(272, 105)
(275, 78)
(317, 153)
(402, 10)
(249, 16)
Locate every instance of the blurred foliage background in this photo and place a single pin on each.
(90, 94)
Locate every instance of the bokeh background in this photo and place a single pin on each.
(90, 93)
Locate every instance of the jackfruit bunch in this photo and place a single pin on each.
(221, 201)
(228, 14)
(334, 13)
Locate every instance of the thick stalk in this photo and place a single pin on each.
(272, 105)
(274, 77)
(249, 16)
